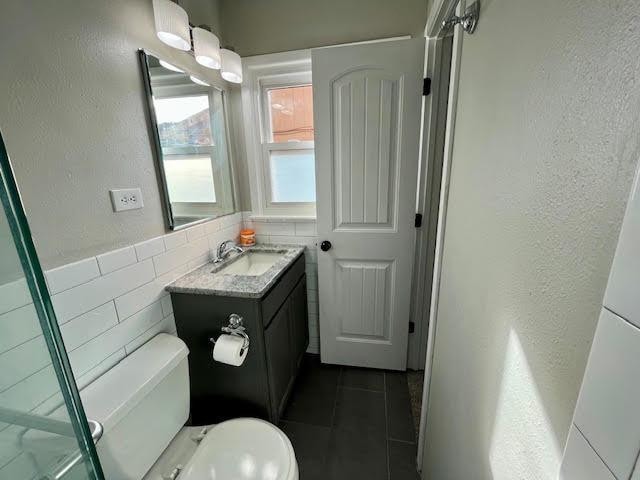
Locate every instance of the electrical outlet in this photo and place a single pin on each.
(126, 199)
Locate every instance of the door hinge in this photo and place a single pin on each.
(412, 327)
(418, 220)
(426, 87)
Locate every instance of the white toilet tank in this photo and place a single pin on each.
(142, 403)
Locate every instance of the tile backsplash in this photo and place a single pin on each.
(108, 305)
(298, 232)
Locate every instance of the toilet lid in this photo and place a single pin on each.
(243, 448)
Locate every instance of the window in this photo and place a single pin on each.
(184, 127)
(280, 134)
(289, 155)
(190, 178)
(293, 176)
(184, 121)
(291, 114)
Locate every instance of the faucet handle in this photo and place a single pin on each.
(221, 250)
(222, 246)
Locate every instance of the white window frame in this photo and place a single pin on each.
(262, 73)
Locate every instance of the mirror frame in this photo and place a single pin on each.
(157, 148)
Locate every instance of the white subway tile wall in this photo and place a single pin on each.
(150, 248)
(636, 471)
(582, 462)
(174, 240)
(117, 259)
(107, 306)
(607, 418)
(295, 232)
(77, 273)
(622, 290)
(606, 412)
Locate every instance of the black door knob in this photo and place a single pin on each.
(325, 245)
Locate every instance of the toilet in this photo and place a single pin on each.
(143, 403)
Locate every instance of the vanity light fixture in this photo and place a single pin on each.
(206, 48)
(197, 81)
(172, 28)
(231, 66)
(170, 66)
(172, 24)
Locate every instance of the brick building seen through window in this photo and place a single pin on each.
(291, 113)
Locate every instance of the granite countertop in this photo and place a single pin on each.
(206, 280)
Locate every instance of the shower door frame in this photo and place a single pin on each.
(34, 276)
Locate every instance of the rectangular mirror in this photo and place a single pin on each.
(188, 127)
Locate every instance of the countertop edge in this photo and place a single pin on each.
(297, 252)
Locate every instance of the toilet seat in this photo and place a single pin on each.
(243, 448)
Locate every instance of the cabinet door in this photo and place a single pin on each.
(299, 323)
(279, 353)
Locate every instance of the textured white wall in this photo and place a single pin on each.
(268, 26)
(546, 142)
(72, 112)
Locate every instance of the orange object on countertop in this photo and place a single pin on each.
(247, 237)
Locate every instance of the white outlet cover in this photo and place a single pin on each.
(126, 199)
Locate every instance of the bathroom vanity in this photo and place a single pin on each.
(266, 286)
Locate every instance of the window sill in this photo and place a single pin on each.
(282, 218)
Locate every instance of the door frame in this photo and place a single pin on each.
(435, 34)
(416, 74)
(434, 115)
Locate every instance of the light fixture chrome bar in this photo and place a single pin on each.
(468, 21)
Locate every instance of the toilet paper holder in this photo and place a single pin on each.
(235, 328)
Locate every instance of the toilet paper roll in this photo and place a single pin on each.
(228, 349)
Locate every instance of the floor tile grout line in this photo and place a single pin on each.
(298, 422)
(386, 424)
(333, 417)
(361, 389)
(335, 399)
(407, 442)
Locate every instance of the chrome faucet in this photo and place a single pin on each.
(225, 248)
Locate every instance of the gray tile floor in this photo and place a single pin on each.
(348, 423)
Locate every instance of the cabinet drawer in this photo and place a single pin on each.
(281, 290)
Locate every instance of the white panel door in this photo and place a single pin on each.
(367, 102)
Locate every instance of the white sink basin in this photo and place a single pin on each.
(252, 264)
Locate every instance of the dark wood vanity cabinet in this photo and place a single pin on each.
(285, 343)
(277, 325)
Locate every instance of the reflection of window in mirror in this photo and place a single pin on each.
(191, 143)
(184, 123)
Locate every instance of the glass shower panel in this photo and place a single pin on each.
(43, 431)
